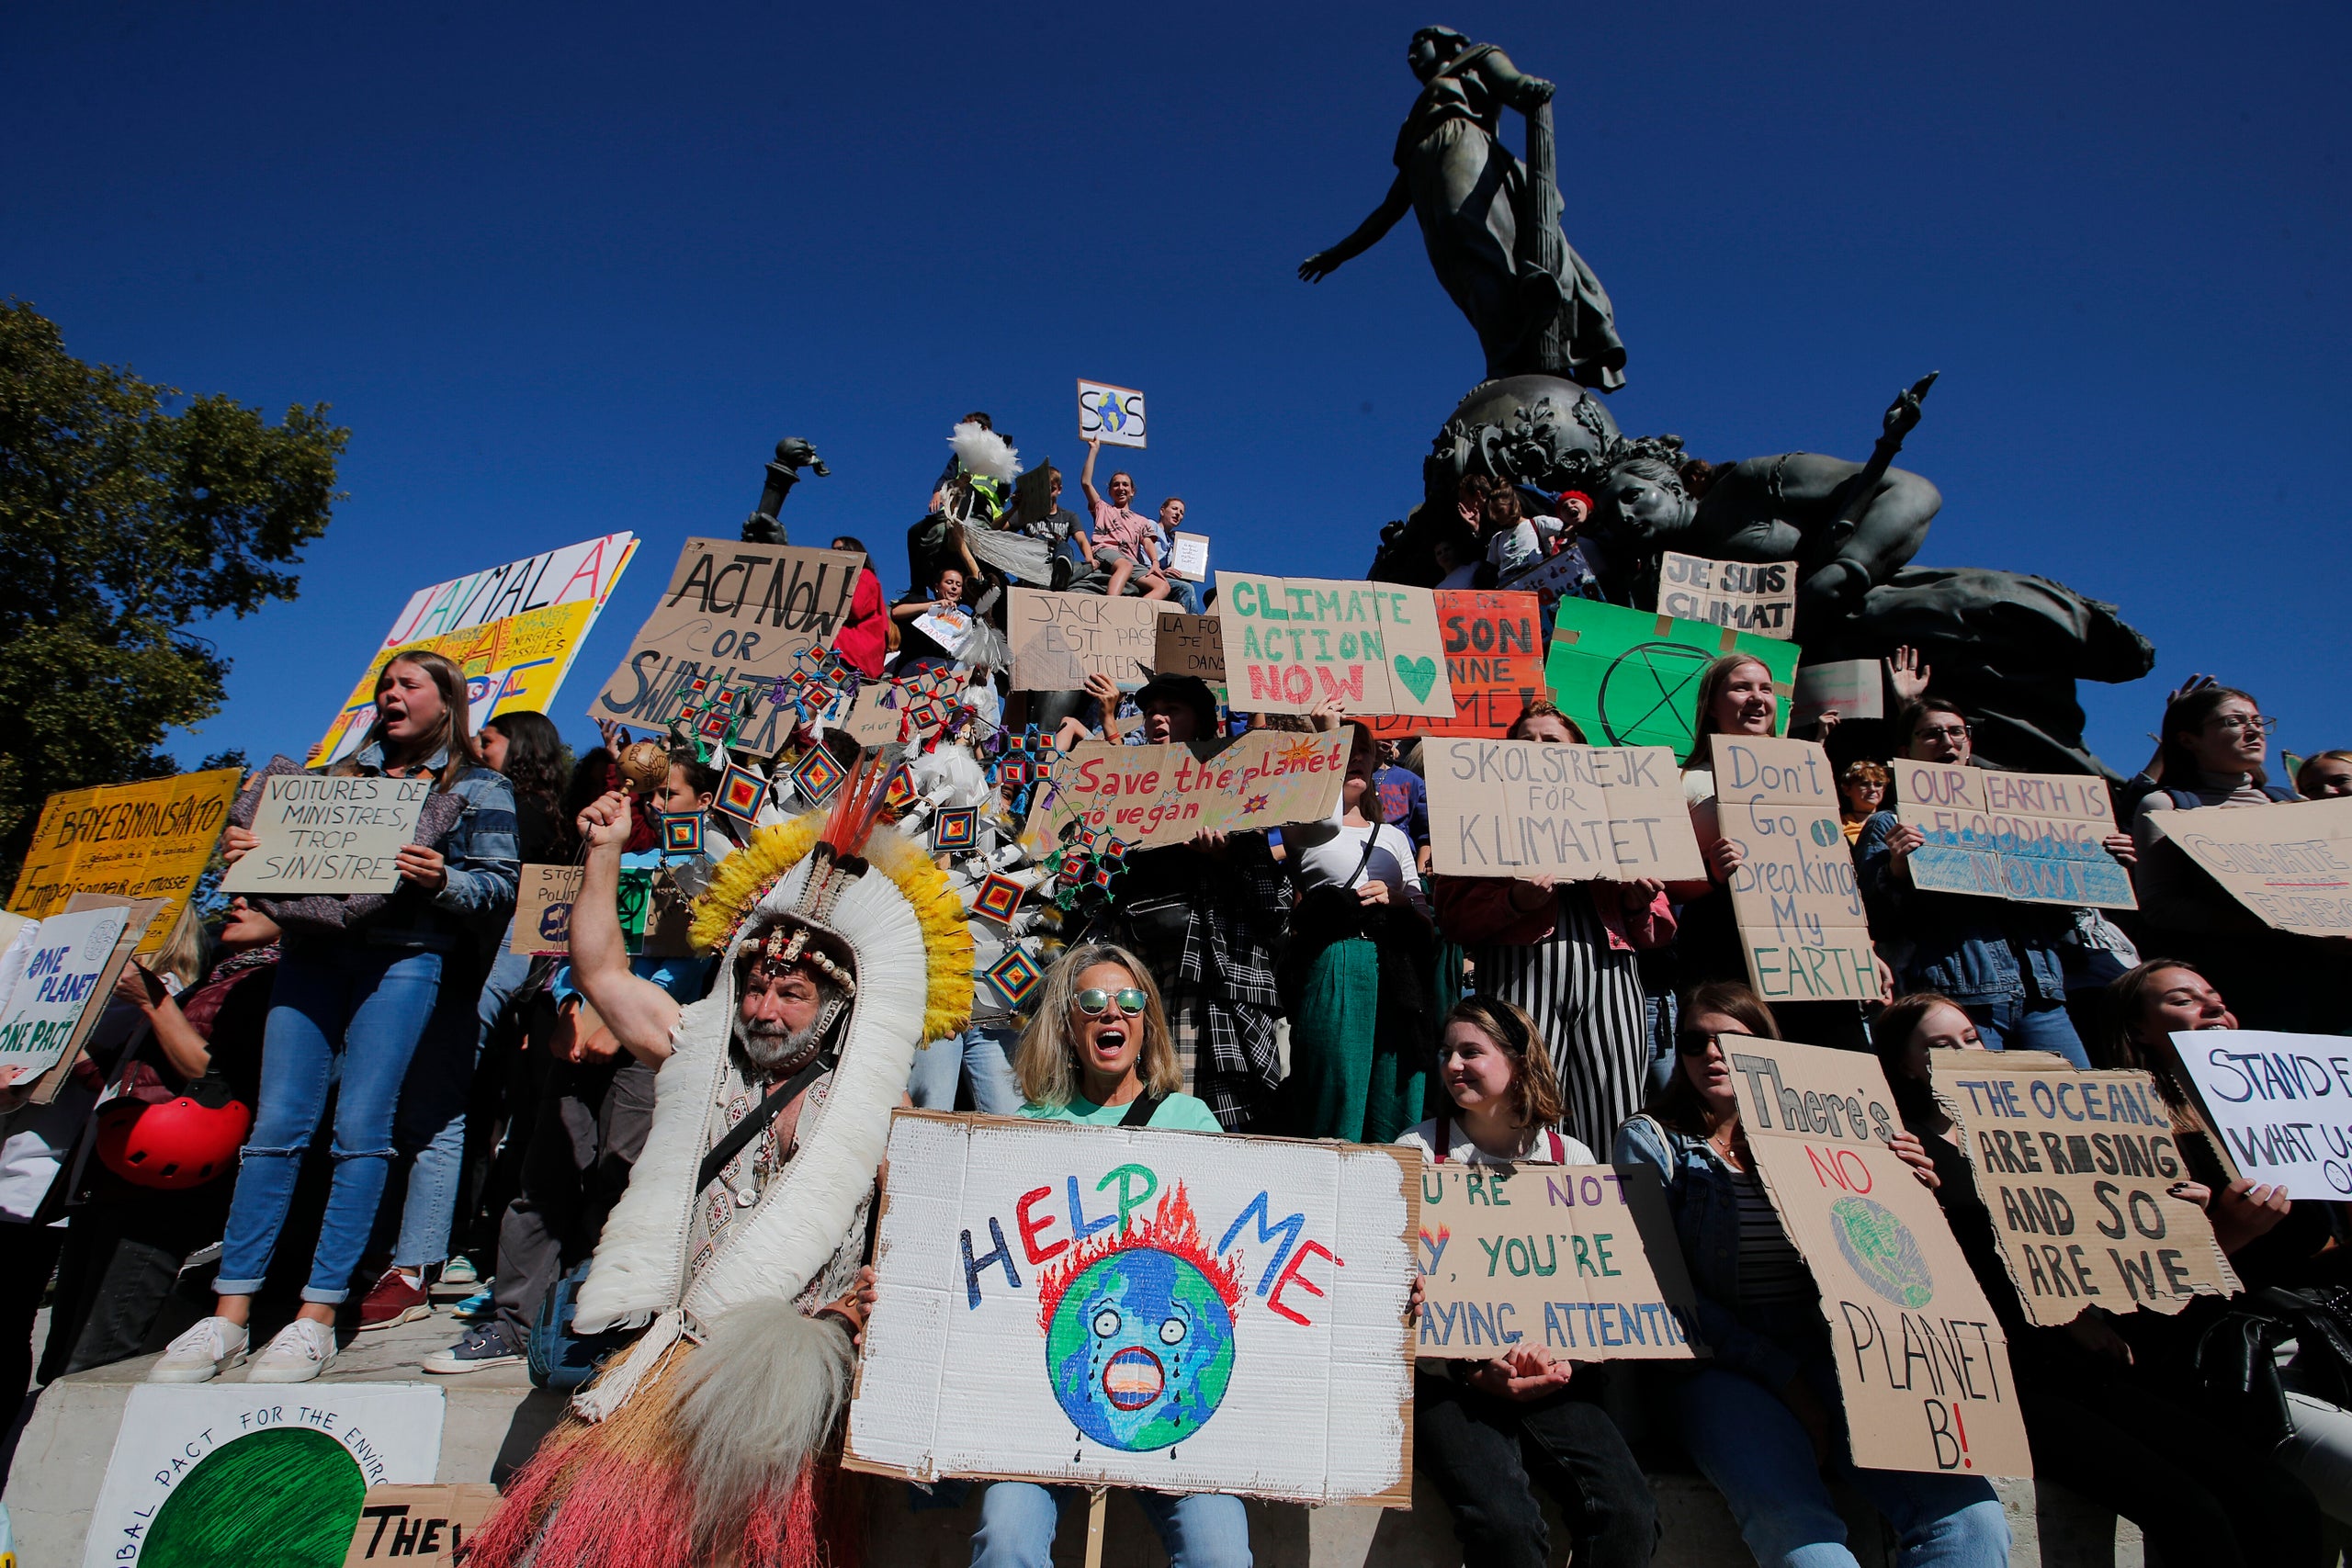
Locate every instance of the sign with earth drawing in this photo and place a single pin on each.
(1630, 678)
(1124, 1307)
(1923, 1366)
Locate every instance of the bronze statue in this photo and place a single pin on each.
(792, 455)
(1491, 224)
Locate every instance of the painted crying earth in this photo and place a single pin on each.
(1124, 1306)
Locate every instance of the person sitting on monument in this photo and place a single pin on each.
(1182, 589)
(1485, 1433)
(740, 1241)
(1763, 1417)
(1119, 539)
(2098, 1425)
(1098, 1052)
(2324, 776)
(2000, 961)
(918, 651)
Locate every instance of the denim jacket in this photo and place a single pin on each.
(484, 859)
(1964, 946)
(1700, 1195)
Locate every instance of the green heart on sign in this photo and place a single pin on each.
(1418, 675)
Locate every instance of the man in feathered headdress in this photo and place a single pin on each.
(739, 1241)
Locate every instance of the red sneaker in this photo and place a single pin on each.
(393, 1302)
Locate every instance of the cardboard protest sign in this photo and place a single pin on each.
(1630, 678)
(1151, 795)
(1922, 1362)
(515, 629)
(736, 616)
(1110, 1305)
(1189, 645)
(2030, 837)
(2076, 1168)
(1750, 596)
(419, 1524)
(142, 919)
(240, 1472)
(2290, 863)
(1295, 641)
(1059, 639)
(1493, 662)
(136, 841)
(1112, 416)
(1580, 1258)
(1188, 557)
(543, 910)
(1799, 908)
(1577, 813)
(329, 835)
(2282, 1104)
(69, 963)
(1854, 687)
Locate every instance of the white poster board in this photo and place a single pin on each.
(321, 834)
(1108, 1306)
(63, 966)
(1189, 557)
(1112, 416)
(1852, 686)
(237, 1473)
(2281, 1102)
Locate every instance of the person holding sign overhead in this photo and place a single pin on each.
(1764, 1415)
(1120, 540)
(348, 1010)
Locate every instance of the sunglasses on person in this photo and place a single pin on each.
(1094, 1003)
(1695, 1044)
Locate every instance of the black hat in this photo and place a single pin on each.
(1188, 690)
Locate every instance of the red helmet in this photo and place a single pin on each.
(178, 1145)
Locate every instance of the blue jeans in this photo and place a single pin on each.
(346, 1015)
(430, 1130)
(2020, 1023)
(1756, 1451)
(1200, 1530)
(1184, 591)
(982, 1055)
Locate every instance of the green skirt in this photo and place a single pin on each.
(1350, 1077)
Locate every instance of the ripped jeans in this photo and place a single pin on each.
(334, 998)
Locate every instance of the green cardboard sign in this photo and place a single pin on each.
(1631, 677)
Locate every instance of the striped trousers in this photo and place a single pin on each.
(1585, 1000)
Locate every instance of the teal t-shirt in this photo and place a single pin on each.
(1177, 1113)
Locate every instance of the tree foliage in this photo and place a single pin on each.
(129, 514)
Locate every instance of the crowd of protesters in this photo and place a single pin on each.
(428, 1110)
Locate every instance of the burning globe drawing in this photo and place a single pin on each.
(1139, 1343)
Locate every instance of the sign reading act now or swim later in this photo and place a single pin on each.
(1799, 909)
(1577, 813)
(1291, 643)
(1580, 1258)
(1922, 1363)
(2030, 837)
(2077, 1169)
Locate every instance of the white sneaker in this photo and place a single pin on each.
(302, 1349)
(201, 1354)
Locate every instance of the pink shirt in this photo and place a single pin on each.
(1127, 531)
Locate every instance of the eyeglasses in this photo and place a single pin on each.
(2237, 723)
(1952, 731)
(1095, 1003)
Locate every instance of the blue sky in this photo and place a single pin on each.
(565, 270)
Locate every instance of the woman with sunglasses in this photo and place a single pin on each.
(1762, 1417)
(2211, 757)
(1098, 1052)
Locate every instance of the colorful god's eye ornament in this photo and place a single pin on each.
(958, 828)
(998, 898)
(682, 832)
(817, 775)
(739, 793)
(1017, 976)
(900, 795)
(1140, 1344)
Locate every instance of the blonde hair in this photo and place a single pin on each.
(182, 955)
(1047, 1062)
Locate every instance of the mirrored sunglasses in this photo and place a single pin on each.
(1094, 1003)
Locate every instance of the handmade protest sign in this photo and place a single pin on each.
(1189, 645)
(1750, 596)
(1113, 1305)
(1853, 687)
(1059, 639)
(737, 616)
(136, 841)
(514, 629)
(322, 834)
(2030, 837)
(1800, 910)
(1575, 813)
(1493, 662)
(1296, 641)
(1630, 678)
(65, 968)
(1151, 795)
(2290, 863)
(1922, 1362)
(237, 1473)
(2282, 1104)
(1112, 416)
(419, 1524)
(2077, 1169)
(946, 624)
(1578, 1259)
(1188, 557)
(543, 910)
